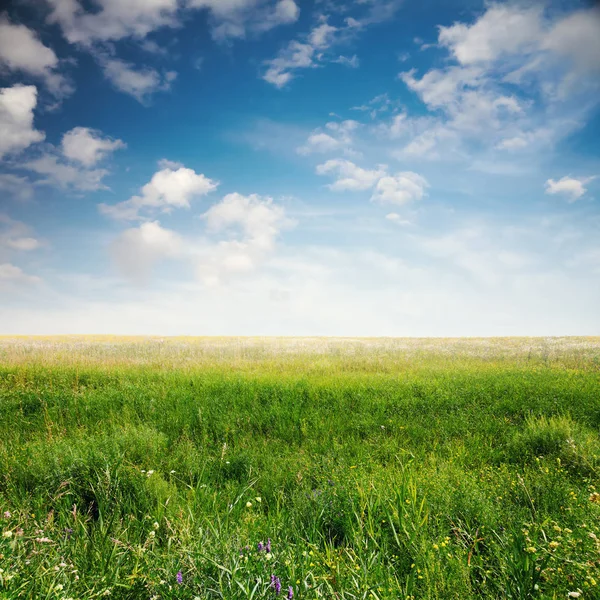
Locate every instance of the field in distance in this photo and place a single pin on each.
(197, 468)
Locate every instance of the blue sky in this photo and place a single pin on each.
(277, 167)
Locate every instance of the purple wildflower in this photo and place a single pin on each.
(290, 593)
(260, 546)
(268, 546)
(276, 583)
(179, 577)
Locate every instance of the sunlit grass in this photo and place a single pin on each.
(154, 468)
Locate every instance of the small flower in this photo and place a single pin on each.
(258, 499)
(276, 584)
(152, 533)
(7, 514)
(248, 504)
(554, 545)
(531, 550)
(290, 593)
(269, 556)
(594, 497)
(59, 586)
(260, 546)
(156, 525)
(179, 577)
(268, 546)
(172, 471)
(574, 594)
(149, 473)
(43, 540)
(7, 534)
(19, 531)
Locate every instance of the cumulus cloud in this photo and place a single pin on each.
(259, 222)
(241, 233)
(70, 167)
(172, 187)
(500, 30)
(137, 250)
(16, 119)
(21, 50)
(570, 187)
(259, 218)
(56, 172)
(88, 146)
(402, 188)
(350, 177)
(513, 67)
(339, 136)
(114, 20)
(139, 83)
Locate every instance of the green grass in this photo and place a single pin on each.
(384, 469)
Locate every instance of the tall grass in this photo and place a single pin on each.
(377, 469)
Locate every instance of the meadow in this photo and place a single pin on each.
(205, 468)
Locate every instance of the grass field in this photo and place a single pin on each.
(323, 468)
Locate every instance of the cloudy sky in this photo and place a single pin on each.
(318, 167)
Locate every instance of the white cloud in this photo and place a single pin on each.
(440, 88)
(21, 50)
(310, 52)
(15, 186)
(88, 146)
(500, 30)
(321, 142)
(137, 250)
(64, 175)
(577, 38)
(398, 219)
(16, 119)
(241, 234)
(348, 61)
(15, 235)
(169, 188)
(517, 71)
(11, 275)
(236, 18)
(296, 55)
(260, 222)
(322, 36)
(568, 186)
(115, 19)
(139, 83)
(350, 176)
(525, 139)
(70, 167)
(402, 188)
(259, 218)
